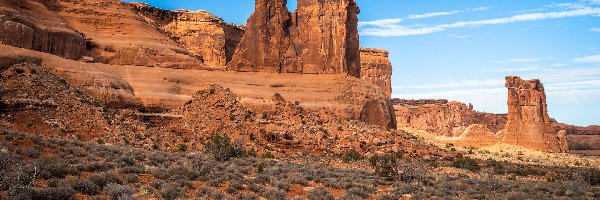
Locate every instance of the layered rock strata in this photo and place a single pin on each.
(321, 37)
(528, 122)
(20, 32)
(375, 67)
(443, 117)
(200, 32)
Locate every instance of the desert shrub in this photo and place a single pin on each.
(498, 167)
(117, 192)
(126, 161)
(320, 193)
(246, 196)
(409, 172)
(204, 192)
(234, 186)
(31, 152)
(525, 171)
(54, 193)
(359, 191)
(85, 186)
(274, 194)
(256, 188)
(133, 170)
(54, 167)
(299, 179)
(95, 167)
(160, 173)
(103, 179)
(268, 155)
(282, 185)
(20, 193)
(349, 196)
(6, 160)
(388, 196)
(131, 178)
(222, 149)
(351, 156)
(591, 176)
(466, 163)
(384, 165)
(169, 191)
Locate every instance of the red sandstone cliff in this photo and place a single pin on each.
(375, 67)
(321, 37)
(528, 122)
(32, 26)
(200, 32)
(443, 117)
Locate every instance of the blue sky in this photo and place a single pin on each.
(463, 50)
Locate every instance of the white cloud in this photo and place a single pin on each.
(433, 14)
(589, 59)
(524, 59)
(456, 36)
(445, 13)
(399, 30)
(381, 22)
(595, 29)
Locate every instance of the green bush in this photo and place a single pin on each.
(384, 165)
(351, 156)
(466, 163)
(222, 149)
(592, 176)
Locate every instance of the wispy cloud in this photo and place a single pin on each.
(395, 29)
(588, 59)
(457, 36)
(392, 22)
(595, 29)
(433, 14)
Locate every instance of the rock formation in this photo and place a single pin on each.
(375, 67)
(477, 135)
(20, 32)
(443, 117)
(117, 35)
(200, 32)
(321, 37)
(379, 113)
(528, 122)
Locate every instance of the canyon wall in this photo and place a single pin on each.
(321, 37)
(442, 117)
(17, 30)
(200, 32)
(375, 67)
(528, 122)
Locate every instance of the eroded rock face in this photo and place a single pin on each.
(443, 117)
(379, 113)
(376, 68)
(20, 32)
(528, 122)
(477, 135)
(321, 37)
(200, 32)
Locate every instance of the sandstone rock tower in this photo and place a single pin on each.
(321, 37)
(376, 68)
(528, 121)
